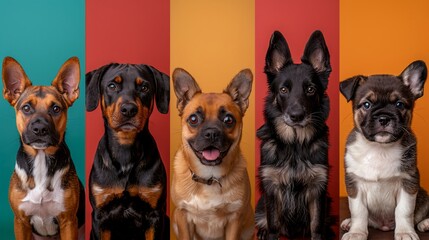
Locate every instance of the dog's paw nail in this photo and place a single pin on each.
(406, 236)
(354, 236)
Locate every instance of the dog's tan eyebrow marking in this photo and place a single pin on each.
(118, 79)
(395, 96)
(371, 96)
(51, 100)
(139, 81)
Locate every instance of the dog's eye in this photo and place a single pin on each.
(283, 90)
(366, 105)
(112, 86)
(193, 120)
(56, 109)
(311, 90)
(400, 105)
(228, 120)
(26, 108)
(144, 89)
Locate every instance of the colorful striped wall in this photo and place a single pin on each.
(213, 40)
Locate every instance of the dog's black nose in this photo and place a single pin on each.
(211, 134)
(39, 128)
(129, 109)
(384, 120)
(297, 115)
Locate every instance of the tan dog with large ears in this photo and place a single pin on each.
(210, 186)
(45, 193)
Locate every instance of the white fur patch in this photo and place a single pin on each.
(373, 161)
(404, 213)
(40, 203)
(22, 175)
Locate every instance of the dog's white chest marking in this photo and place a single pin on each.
(46, 200)
(374, 161)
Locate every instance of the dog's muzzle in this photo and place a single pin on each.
(40, 134)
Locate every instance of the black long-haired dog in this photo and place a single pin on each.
(294, 152)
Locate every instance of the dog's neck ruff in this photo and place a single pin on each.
(209, 181)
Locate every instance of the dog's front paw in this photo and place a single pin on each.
(406, 236)
(354, 236)
(423, 226)
(346, 224)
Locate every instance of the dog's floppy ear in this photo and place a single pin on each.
(239, 89)
(185, 87)
(278, 55)
(162, 82)
(348, 87)
(92, 87)
(317, 55)
(15, 81)
(414, 76)
(67, 80)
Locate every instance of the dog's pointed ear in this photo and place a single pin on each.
(92, 87)
(15, 81)
(414, 76)
(185, 87)
(162, 96)
(278, 55)
(67, 80)
(317, 55)
(239, 89)
(348, 87)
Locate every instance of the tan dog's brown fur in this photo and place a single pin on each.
(227, 202)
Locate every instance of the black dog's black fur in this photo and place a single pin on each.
(294, 149)
(124, 166)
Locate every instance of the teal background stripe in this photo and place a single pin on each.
(41, 35)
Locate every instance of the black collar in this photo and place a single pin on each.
(209, 181)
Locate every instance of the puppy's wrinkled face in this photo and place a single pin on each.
(211, 123)
(383, 104)
(383, 108)
(127, 98)
(41, 116)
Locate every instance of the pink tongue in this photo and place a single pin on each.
(211, 154)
